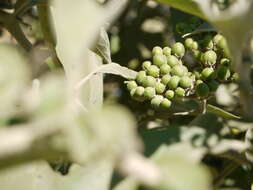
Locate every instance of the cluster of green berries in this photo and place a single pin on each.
(168, 77)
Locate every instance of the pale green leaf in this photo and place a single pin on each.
(220, 112)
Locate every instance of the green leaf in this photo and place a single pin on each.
(188, 6)
(220, 112)
(205, 27)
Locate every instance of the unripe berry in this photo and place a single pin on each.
(208, 43)
(185, 69)
(149, 81)
(146, 65)
(131, 85)
(194, 46)
(186, 82)
(178, 70)
(198, 82)
(225, 62)
(156, 101)
(165, 103)
(149, 92)
(178, 49)
(223, 73)
(172, 61)
(167, 51)
(213, 85)
(207, 73)
(197, 73)
(222, 44)
(188, 42)
(202, 90)
(174, 81)
(157, 50)
(197, 55)
(140, 76)
(159, 60)
(180, 92)
(209, 57)
(169, 94)
(139, 91)
(165, 79)
(217, 38)
(153, 71)
(165, 69)
(160, 88)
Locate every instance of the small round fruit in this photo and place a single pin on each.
(165, 103)
(180, 92)
(169, 94)
(157, 50)
(160, 88)
(235, 77)
(159, 60)
(194, 46)
(174, 81)
(153, 71)
(149, 81)
(223, 73)
(207, 73)
(165, 79)
(217, 38)
(167, 51)
(140, 76)
(165, 69)
(198, 82)
(213, 85)
(186, 82)
(197, 73)
(178, 70)
(188, 42)
(225, 62)
(222, 44)
(149, 92)
(202, 90)
(172, 60)
(209, 57)
(208, 43)
(156, 101)
(178, 49)
(131, 85)
(139, 91)
(146, 65)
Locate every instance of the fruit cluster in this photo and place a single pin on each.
(170, 76)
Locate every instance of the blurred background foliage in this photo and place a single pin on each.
(68, 122)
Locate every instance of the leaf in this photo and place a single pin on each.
(188, 6)
(112, 68)
(205, 27)
(103, 46)
(220, 112)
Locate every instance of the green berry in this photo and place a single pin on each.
(225, 62)
(178, 70)
(159, 60)
(153, 71)
(223, 73)
(156, 101)
(139, 91)
(194, 46)
(167, 51)
(131, 85)
(169, 94)
(149, 81)
(197, 73)
(207, 73)
(208, 43)
(172, 60)
(165, 69)
(140, 76)
(217, 38)
(165, 79)
(185, 69)
(188, 42)
(235, 77)
(198, 82)
(149, 92)
(222, 44)
(157, 50)
(160, 88)
(186, 82)
(174, 81)
(132, 92)
(180, 92)
(178, 49)
(197, 54)
(146, 65)
(165, 103)
(213, 85)
(202, 90)
(209, 57)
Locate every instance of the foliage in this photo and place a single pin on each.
(69, 83)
